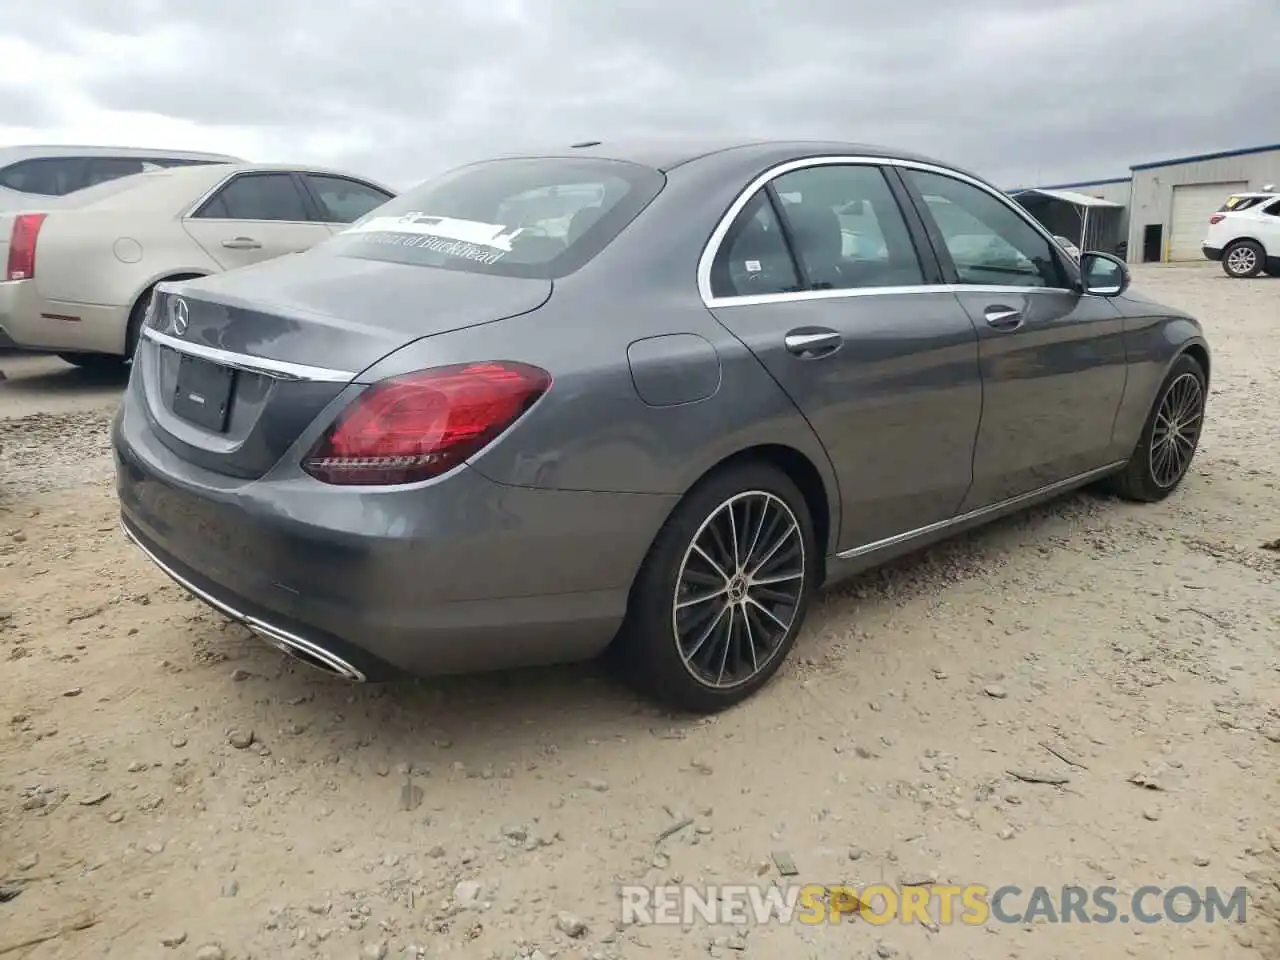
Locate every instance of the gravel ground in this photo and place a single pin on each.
(170, 788)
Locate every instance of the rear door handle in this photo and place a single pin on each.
(1003, 318)
(814, 342)
(242, 243)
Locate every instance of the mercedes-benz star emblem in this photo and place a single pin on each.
(181, 317)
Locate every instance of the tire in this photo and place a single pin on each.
(136, 316)
(1243, 259)
(97, 362)
(1148, 477)
(755, 497)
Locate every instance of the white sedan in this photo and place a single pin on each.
(78, 278)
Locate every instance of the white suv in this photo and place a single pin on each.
(39, 176)
(1245, 234)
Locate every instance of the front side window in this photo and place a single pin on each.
(753, 258)
(257, 196)
(1274, 209)
(847, 229)
(989, 242)
(342, 200)
(540, 218)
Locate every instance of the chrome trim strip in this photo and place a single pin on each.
(761, 298)
(279, 369)
(259, 627)
(980, 512)
(712, 248)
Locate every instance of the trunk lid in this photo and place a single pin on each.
(266, 349)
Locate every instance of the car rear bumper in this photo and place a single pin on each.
(1211, 253)
(30, 322)
(461, 575)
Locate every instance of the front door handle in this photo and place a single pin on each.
(813, 343)
(1004, 318)
(242, 243)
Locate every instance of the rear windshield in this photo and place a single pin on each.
(540, 218)
(1240, 203)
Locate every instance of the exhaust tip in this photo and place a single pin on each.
(307, 653)
(298, 648)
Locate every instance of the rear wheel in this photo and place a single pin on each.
(104, 362)
(722, 595)
(1170, 438)
(1243, 259)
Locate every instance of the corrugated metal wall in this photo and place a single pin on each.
(1152, 196)
(1108, 227)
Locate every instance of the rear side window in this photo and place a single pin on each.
(847, 228)
(44, 176)
(753, 258)
(539, 218)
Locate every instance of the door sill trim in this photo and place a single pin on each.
(981, 512)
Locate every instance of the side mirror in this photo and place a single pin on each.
(1103, 275)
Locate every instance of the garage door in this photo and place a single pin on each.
(1192, 207)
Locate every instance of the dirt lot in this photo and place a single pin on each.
(168, 779)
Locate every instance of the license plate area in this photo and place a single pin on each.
(202, 393)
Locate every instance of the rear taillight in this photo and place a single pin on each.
(421, 425)
(22, 246)
(1217, 218)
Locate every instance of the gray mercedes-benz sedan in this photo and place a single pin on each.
(650, 397)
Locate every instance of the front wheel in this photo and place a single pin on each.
(1243, 259)
(723, 592)
(1170, 438)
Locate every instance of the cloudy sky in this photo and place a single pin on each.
(1020, 90)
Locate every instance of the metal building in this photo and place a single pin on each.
(1091, 214)
(1171, 200)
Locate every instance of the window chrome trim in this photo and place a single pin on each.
(989, 510)
(753, 300)
(712, 249)
(277, 369)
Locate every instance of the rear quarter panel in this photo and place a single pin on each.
(111, 257)
(592, 431)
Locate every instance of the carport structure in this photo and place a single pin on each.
(1091, 223)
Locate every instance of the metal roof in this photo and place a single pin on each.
(1242, 152)
(1069, 196)
(1074, 186)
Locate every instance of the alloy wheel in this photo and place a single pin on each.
(739, 587)
(1242, 260)
(1177, 430)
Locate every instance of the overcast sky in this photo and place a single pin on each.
(1023, 91)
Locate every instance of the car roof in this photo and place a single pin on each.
(40, 151)
(667, 154)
